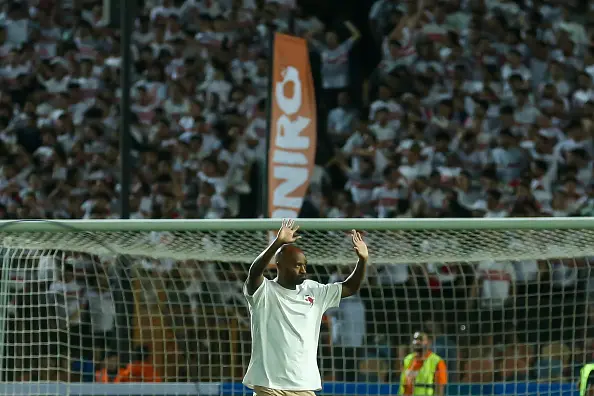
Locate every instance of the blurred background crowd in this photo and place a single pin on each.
(429, 108)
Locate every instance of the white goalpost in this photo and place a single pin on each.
(154, 307)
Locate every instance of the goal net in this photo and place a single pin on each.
(155, 307)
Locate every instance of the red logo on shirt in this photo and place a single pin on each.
(309, 299)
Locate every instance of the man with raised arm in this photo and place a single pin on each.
(286, 314)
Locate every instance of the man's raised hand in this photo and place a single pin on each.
(359, 245)
(288, 232)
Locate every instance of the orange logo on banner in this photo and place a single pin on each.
(293, 136)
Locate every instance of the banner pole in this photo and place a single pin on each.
(264, 167)
(127, 26)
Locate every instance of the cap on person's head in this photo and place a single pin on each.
(419, 336)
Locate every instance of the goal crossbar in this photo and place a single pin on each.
(391, 241)
(400, 224)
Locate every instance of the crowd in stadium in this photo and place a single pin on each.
(430, 108)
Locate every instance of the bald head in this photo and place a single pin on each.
(288, 255)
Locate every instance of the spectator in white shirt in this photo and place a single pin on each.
(558, 78)
(528, 273)
(383, 131)
(143, 35)
(388, 197)
(584, 92)
(363, 144)
(348, 325)
(494, 205)
(361, 183)
(165, 10)
(526, 113)
(144, 106)
(17, 23)
(243, 65)
(102, 310)
(494, 284)
(211, 204)
(509, 158)
(176, 105)
(415, 165)
(335, 62)
(514, 66)
(341, 120)
(385, 100)
(69, 300)
(564, 274)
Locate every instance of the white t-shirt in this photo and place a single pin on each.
(412, 172)
(498, 278)
(510, 163)
(285, 328)
(386, 199)
(563, 275)
(383, 133)
(526, 270)
(72, 300)
(348, 321)
(102, 310)
(335, 64)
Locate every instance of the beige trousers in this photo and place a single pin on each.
(261, 391)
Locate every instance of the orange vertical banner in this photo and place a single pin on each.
(293, 135)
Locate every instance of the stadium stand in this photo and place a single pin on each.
(435, 108)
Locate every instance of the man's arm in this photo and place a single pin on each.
(355, 33)
(285, 235)
(441, 378)
(352, 284)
